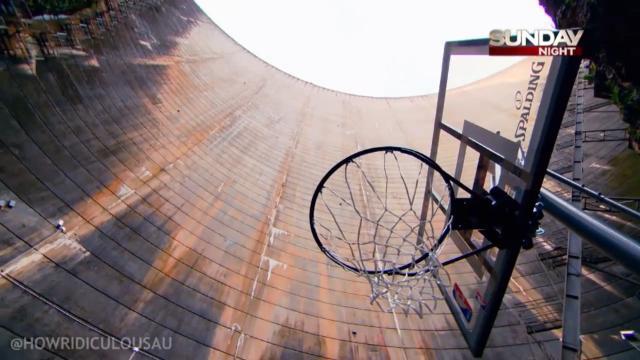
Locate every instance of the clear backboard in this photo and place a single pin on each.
(499, 131)
(446, 229)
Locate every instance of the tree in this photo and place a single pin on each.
(57, 7)
(609, 42)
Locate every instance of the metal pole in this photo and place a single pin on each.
(435, 140)
(571, 345)
(616, 245)
(496, 289)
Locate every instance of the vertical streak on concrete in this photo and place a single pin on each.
(571, 344)
(271, 231)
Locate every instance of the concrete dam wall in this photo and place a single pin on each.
(181, 167)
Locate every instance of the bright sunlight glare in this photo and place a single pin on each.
(370, 47)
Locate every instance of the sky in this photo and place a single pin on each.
(372, 47)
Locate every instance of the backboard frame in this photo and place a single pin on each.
(555, 96)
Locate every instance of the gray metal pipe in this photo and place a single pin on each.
(616, 245)
(594, 194)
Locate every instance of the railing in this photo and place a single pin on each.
(595, 195)
(591, 204)
(614, 244)
(605, 135)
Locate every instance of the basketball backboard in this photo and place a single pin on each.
(497, 131)
(491, 145)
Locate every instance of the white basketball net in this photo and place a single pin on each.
(368, 216)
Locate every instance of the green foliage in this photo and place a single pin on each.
(39, 7)
(627, 99)
(634, 134)
(592, 73)
(609, 27)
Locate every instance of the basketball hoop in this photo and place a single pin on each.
(368, 216)
(384, 213)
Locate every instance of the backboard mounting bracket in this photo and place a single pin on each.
(497, 216)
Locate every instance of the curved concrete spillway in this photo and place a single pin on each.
(182, 167)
